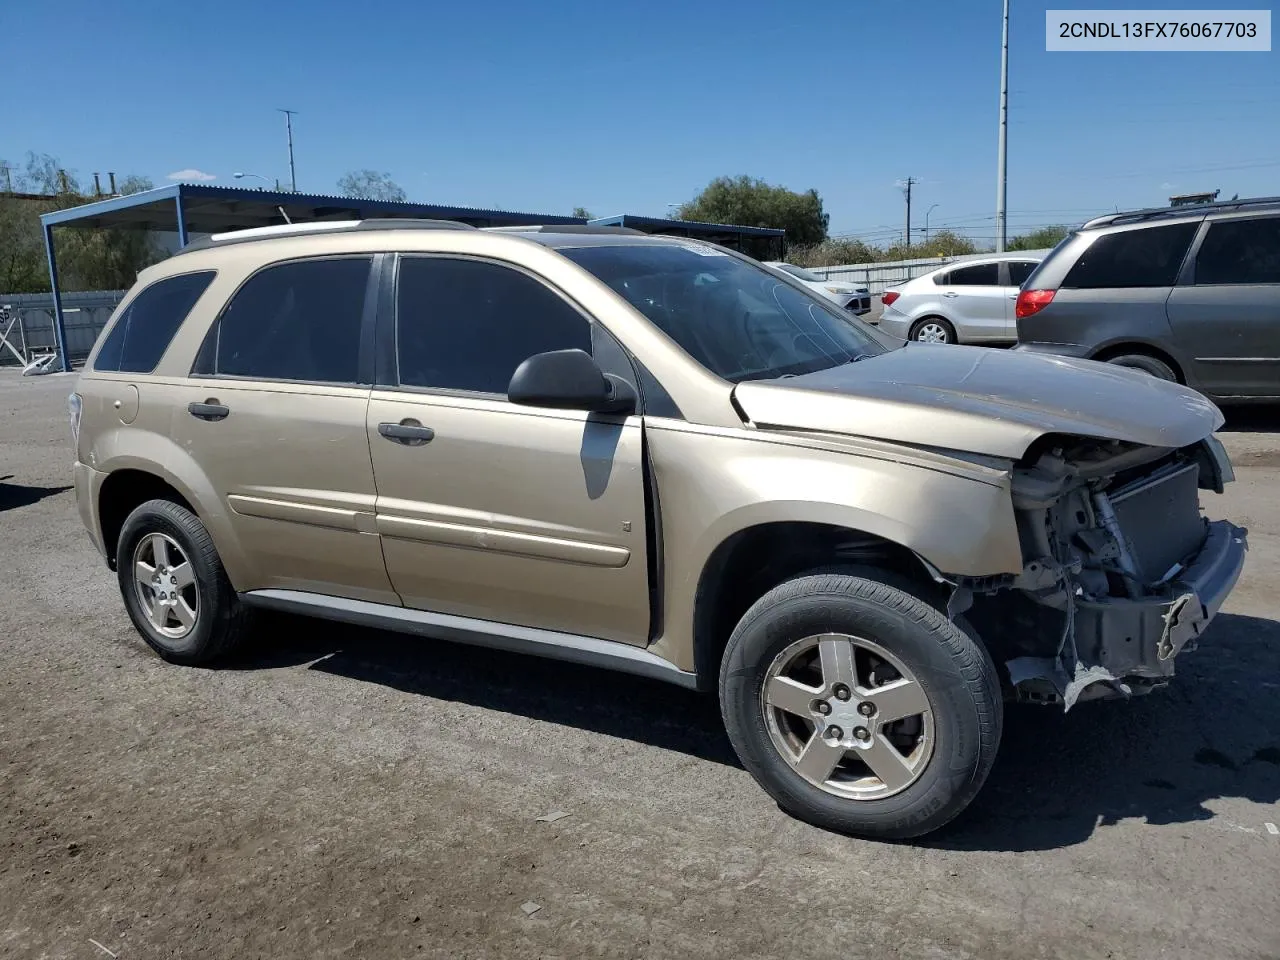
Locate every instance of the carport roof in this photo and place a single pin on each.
(687, 227)
(210, 209)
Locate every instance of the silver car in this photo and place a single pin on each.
(971, 301)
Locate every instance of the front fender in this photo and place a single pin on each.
(713, 485)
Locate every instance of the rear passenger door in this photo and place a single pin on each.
(974, 299)
(274, 414)
(1225, 312)
(489, 510)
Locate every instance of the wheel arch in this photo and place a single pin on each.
(1123, 347)
(755, 559)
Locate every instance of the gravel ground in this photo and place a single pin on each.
(341, 792)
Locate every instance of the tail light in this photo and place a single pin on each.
(889, 296)
(1031, 302)
(74, 406)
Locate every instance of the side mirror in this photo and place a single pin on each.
(569, 380)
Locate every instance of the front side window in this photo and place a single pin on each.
(979, 275)
(467, 324)
(148, 325)
(1145, 257)
(296, 321)
(737, 320)
(1240, 251)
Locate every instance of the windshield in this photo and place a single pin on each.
(738, 320)
(800, 272)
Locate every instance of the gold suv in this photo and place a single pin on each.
(655, 455)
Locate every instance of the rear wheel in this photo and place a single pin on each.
(174, 586)
(1147, 364)
(859, 707)
(933, 330)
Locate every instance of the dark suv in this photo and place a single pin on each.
(1186, 294)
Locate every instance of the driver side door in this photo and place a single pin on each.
(489, 510)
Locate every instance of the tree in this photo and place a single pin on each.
(371, 185)
(88, 259)
(833, 253)
(1041, 239)
(582, 212)
(751, 202)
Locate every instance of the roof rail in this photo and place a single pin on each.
(564, 228)
(1187, 210)
(314, 227)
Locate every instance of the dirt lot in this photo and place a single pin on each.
(337, 792)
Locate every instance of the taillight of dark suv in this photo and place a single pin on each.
(1031, 302)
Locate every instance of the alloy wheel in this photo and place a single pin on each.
(848, 716)
(166, 586)
(932, 332)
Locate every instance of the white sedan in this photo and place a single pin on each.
(855, 299)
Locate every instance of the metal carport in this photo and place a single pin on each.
(187, 209)
(764, 243)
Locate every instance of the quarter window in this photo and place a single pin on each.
(1019, 270)
(144, 331)
(1145, 257)
(296, 321)
(467, 324)
(1240, 251)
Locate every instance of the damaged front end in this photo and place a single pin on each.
(1121, 573)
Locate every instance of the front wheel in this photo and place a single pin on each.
(859, 707)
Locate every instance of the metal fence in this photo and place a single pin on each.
(85, 315)
(878, 276)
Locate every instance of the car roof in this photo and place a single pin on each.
(1191, 211)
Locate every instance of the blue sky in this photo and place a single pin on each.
(624, 106)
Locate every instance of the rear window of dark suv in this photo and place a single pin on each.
(1141, 257)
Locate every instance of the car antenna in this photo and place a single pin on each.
(285, 215)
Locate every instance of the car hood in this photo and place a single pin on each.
(980, 400)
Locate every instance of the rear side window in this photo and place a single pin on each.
(1019, 270)
(1240, 251)
(143, 333)
(295, 321)
(979, 275)
(1146, 257)
(467, 325)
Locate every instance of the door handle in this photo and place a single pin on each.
(950, 293)
(409, 432)
(209, 410)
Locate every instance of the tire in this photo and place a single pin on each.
(933, 330)
(218, 622)
(1147, 364)
(953, 745)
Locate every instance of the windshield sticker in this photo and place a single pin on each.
(701, 249)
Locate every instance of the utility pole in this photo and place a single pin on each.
(1002, 149)
(907, 185)
(288, 122)
(8, 180)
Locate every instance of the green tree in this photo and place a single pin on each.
(371, 185)
(88, 259)
(582, 212)
(833, 253)
(1042, 239)
(751, 202)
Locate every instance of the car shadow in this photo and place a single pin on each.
(15, 495)
(1214, 734)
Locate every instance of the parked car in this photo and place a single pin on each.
(1190, 294)
(970, 301)
(855, 299)
(654, 455)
